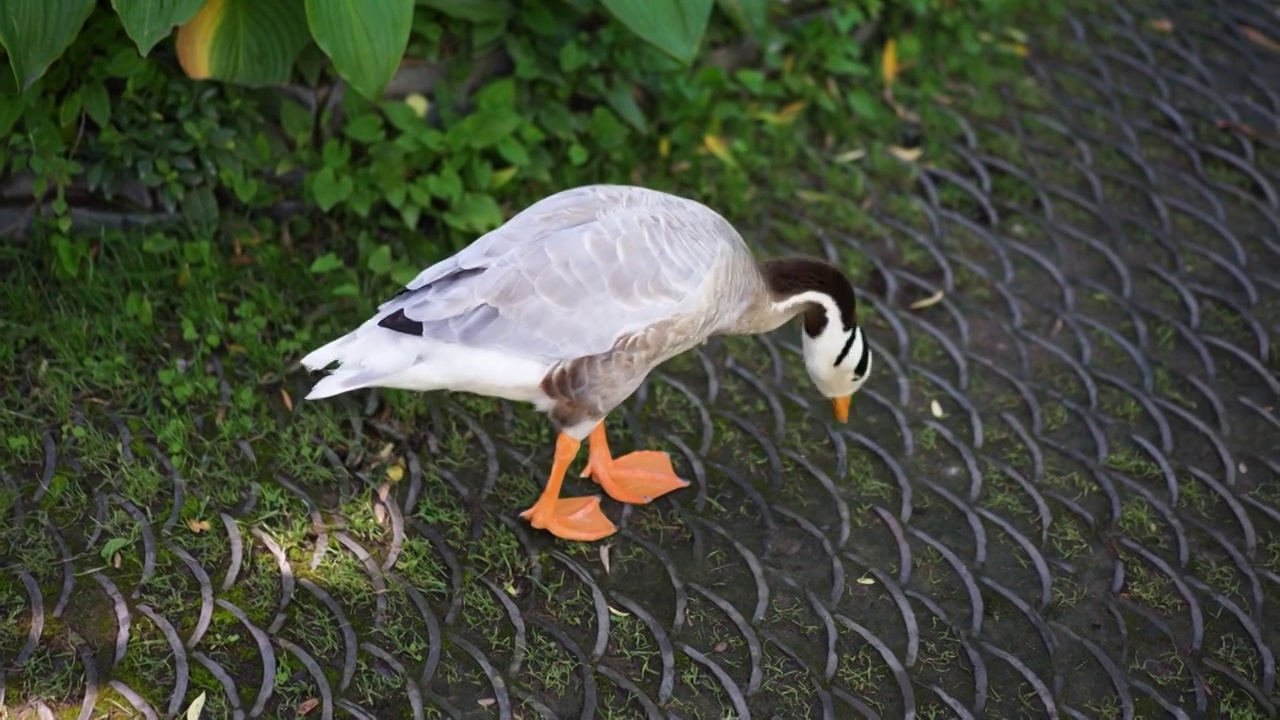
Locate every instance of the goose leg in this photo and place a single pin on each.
(577, 518)
(635, 478)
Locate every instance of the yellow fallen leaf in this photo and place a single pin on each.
(930, 301)
(906, 154)
(418, 103)
(1164, 25)
(850, 156)
(864, 580)
(395, 473)
(664, 146)
(1258, 38)
(717, 146)
(889, 62)
(785, 116)
(615, 611)
(197, 526)
(1016, 48)
(288, 401)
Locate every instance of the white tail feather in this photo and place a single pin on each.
(365, 356)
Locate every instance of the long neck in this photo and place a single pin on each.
(815, 288)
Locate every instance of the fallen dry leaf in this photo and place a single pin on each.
(864, 580)
(288, 401)
(115, 561)
(604, 557)
(196, 707)
(1258, 38)
(1164, 25)
(615, 611)
(850, 156)
(889, 62)
(785, 116)
(906, 154)
(197, 526)
(719, 147)
(486, 702)
(308, 705)
(395, 473)
(930, 301)
(721, 646)
(935, 407)
(664, 147)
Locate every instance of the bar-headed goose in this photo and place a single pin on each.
(571, 303)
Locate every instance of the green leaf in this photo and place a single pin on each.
(485, 128)
(113, 546)
(475, 212)
(673, 26)
(365, 39)
(619, 97)
(476, 11)
(35, 33)
(250, 42)
(327, 262)
(150, 21)
(366, 129)
(751, 16)
(96, 102)
(329, 189)
(380, 261)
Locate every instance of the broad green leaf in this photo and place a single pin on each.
(250, 42)
(329, 189)
(97, 102)
(379, 262)
(476, 11)
(751, 16)
(150, 21)
(673, 26)
(618, 95)
(365, 39)
(36, 33)
(326, 263)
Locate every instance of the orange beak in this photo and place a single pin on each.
(841, 406)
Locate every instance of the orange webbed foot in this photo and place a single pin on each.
(637, 478)
(579, 519)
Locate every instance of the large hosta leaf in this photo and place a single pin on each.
(251, 42)
(365, 39)
(673, 26)
(150, 21)
(36, 32)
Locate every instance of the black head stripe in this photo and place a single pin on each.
(848, 345)
(863, 361)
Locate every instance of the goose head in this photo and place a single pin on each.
(837, 356)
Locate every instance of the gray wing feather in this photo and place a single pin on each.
(568, 277)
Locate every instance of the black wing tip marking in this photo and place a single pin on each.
(401, 323)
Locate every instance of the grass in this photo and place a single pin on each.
(154, 373)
